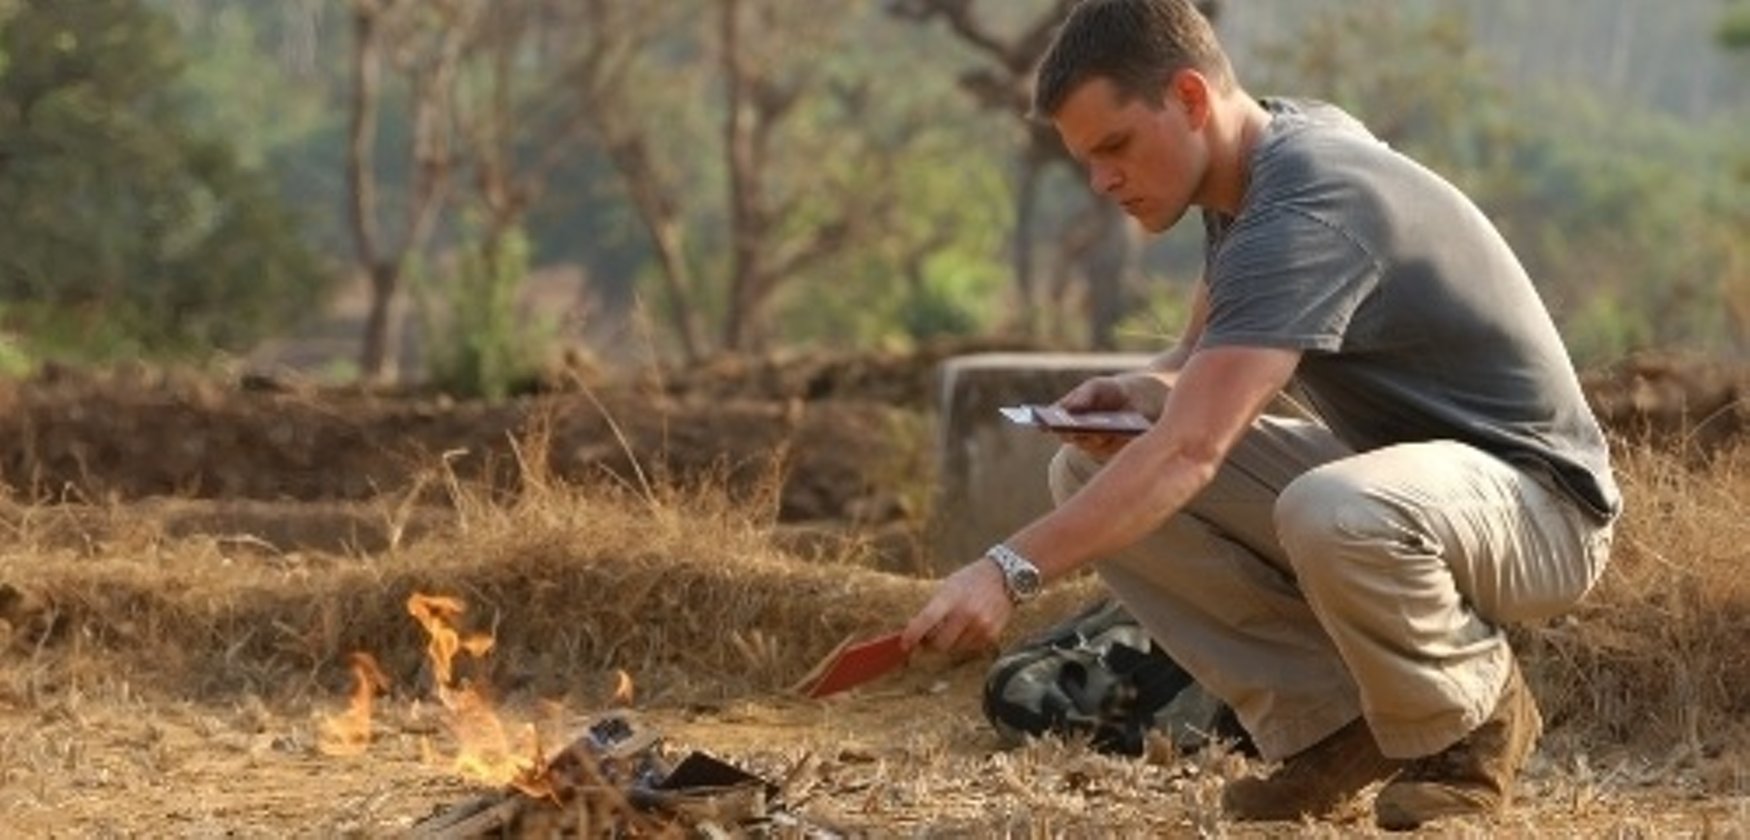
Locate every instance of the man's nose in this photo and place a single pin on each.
(1104, 179)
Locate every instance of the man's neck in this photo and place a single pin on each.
(1239, 123)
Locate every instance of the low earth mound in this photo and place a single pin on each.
(1673, 401)
(131, 435)
(836, 437)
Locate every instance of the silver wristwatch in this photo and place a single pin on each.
(1020, 576)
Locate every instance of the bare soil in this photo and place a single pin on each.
(908, 757)
(186, 563)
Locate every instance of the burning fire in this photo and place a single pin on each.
(349, 732)
(438, 614)
(486, 750)
(622, 688)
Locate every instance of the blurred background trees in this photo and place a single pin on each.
(129, 228)
(499, 177)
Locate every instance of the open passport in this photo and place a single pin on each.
(1054, 419)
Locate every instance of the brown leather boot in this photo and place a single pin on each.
(1314, 781)
(1473, 776)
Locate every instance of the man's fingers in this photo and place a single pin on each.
(971, 634)
(1101, 446)
(962, 615)
(947, 633)
(1087, 396)
(921, 624)
(1078, 399)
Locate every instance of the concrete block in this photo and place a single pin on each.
(991, 473)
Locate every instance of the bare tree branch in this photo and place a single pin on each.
(429, 56)
(600, 73)
(1007, 86)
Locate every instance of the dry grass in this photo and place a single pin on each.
(572, 580)
(687, 588)
(688, 584)
(1657, 658)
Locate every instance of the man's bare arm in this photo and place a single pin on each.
(1217, 396)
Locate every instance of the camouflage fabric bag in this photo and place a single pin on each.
(1099, 675)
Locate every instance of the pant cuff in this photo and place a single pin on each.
(1424, 738)
(1284, 737)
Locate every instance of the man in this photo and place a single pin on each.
(1340, 581)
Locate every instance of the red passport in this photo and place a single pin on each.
(851, 664)
(1054, 419)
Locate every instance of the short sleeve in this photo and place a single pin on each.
(1286, 278)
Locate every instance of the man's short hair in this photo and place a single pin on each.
(1137, 44)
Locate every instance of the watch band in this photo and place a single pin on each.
(1020, 576)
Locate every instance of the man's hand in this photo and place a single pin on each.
(1141, 392)
(967, 614)
(1101, 393)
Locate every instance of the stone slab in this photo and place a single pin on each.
(991, 473)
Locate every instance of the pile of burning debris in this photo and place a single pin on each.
(617, 779)
(614, 781)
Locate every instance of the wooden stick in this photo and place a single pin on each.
(472, 818)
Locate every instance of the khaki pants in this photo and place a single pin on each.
(1309, 584)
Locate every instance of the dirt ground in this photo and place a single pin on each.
(185, 564)
(908, 758)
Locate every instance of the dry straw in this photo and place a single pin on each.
(687, 588)
(1658, 654)
(680, 585)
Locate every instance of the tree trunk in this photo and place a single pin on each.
(361, 180)
(611, 44)
(661, 220)
(1026, 283)
(379, 360)
(432, 77)
(677, 279)
(1107, 266)
(746, 214)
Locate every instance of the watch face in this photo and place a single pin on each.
(1025, 581)
(1019, 576)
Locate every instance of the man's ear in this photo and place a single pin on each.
(1190, 89)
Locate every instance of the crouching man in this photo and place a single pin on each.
(1341, 580)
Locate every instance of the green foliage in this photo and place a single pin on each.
(1633, 224)
(929, 179)
(1633, 241)
(1602, 327)
(126, 231)
(1154, 325)
(1734, 31)
(15, 362)
(1643, 223)
(478, 341)
(935, 310)
(1414, 77)
(264, 104)
(269, 78)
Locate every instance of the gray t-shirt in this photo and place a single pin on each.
(1415, 319)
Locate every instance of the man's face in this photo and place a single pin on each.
(1146, 159)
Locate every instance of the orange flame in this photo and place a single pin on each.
(349, 732)
(438, 614)
(622, 688)
(486, 751)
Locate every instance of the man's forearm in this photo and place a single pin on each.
(1130, 497)
(1212, 405)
